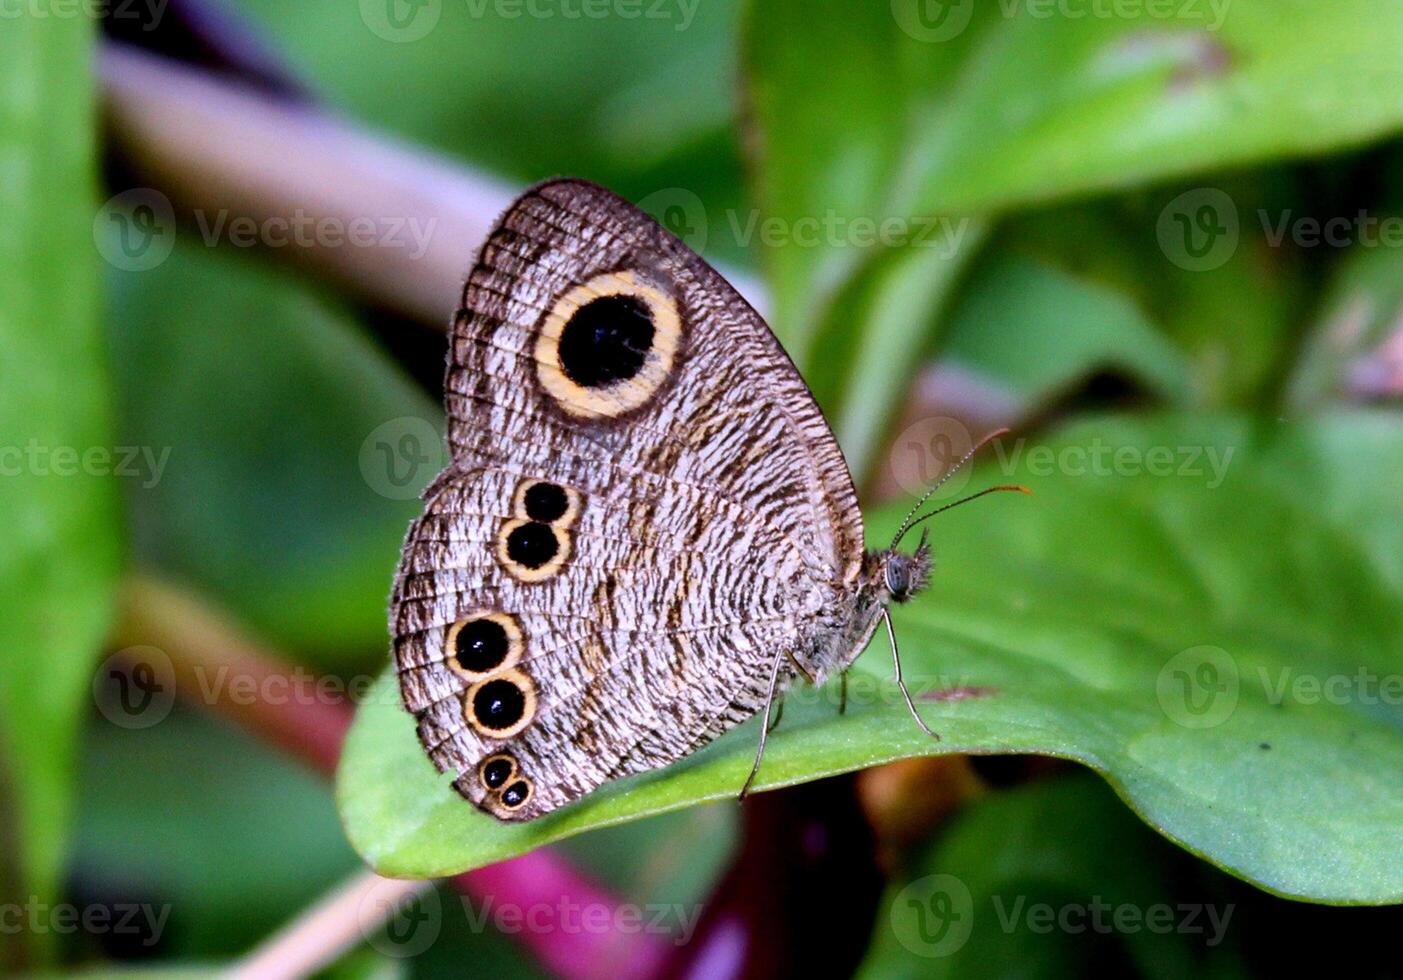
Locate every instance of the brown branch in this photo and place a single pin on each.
(216, 148)
(219, 149)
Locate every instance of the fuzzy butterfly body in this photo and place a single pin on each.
(647, 530)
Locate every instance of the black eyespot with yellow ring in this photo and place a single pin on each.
(517, 794)
(532, 551)
(482, 643)
(500, 705)
(547, 503)
(496, 770)
(607, 345)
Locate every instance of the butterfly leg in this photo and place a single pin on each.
(896, 665)
(843, 693)
(765, 728)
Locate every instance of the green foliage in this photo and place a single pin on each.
(273, 484)
(1215, 635)
(57, 503)
(1128, 617)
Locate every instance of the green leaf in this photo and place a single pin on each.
(1058, 878)
(1037, 330)
(189, 818)
(1143, 614)
(57, 502)
(884, 112)
(288, 450)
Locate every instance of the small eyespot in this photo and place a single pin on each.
(481, 645)
(532, 551)
(545, 502)
(516, 794)
(496, 770)
(532, 544)
(482, 642)
(501, 705)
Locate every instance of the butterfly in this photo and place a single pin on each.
(646, 532)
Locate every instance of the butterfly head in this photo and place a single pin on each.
(905, 575)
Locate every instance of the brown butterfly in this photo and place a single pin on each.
(647, 531)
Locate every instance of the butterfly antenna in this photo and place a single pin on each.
(896, 668)
(908, 523)
(964, 500)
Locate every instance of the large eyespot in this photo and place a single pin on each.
(547, 503)
(516, 795)
(495, 770)
(606, 341)
(607, 345)
(483, 642)
(501, 705)
(532, 551)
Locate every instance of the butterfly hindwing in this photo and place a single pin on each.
(644, 508)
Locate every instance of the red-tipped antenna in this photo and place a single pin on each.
(909, 523)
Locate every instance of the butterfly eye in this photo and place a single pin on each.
(501, 705)
(608, 344)
(483, 642)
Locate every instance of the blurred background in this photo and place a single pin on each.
(232, 233)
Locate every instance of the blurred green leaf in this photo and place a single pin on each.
(226, 837)
(57, 503)
(1359, 311)
(1037, 330)
(293, 448)
(909, 111)
(639, 102)
(1114, 244)
(1142, 614)
(1053, 880)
